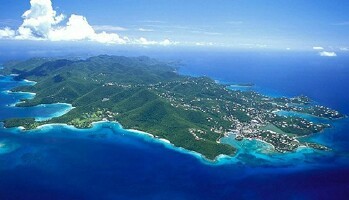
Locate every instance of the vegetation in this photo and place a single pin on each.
(27, 123)
(148, 95)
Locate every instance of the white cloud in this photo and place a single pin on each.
(146, 42)
(77, 28)
(327, 54)
(204, 44)
(167, 42)
(41, 22)
(7, 33)
(145, 30)
(110, 38)
(318, 48)
(344, 49)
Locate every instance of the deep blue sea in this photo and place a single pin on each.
(108, 162)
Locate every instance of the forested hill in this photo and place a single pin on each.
(104, 68)
(145, 94)
(116, 88)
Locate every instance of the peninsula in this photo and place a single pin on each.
(148, 95)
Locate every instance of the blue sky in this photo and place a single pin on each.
(284, 24)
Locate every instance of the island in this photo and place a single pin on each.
(145, 94)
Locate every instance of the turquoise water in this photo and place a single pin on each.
(108, 162)
(265, 91)
(304, 116)
(7, 146)
(10, 99)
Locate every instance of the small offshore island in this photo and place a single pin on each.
(147, 95)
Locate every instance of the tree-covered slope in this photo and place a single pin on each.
(121, 87)
(145, 94)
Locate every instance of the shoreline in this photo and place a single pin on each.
(60, 113)
(163, 141)
(166, 143)
(31, 95)
(274, 152)
(295, 113)
(221, 159)
(139, 133)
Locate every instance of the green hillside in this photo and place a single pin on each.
(145, 94)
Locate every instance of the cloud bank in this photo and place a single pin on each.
(41, 22)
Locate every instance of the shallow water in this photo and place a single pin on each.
(9, 100)
(108, 162)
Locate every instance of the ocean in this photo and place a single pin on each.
(108, 162)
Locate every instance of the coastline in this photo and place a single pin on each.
(166, 143)
(144, 135)
(272, 157)
(57, 114)
(306, 115)
(31, 95)
(163, 141)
